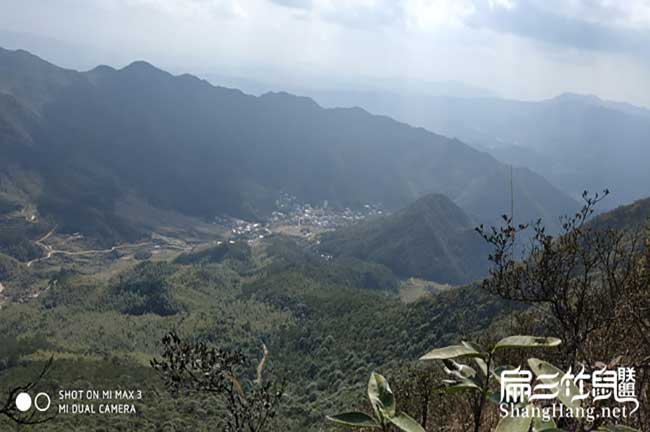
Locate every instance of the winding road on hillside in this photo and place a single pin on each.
(51, 251)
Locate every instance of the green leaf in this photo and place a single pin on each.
(406, 423)
(355, 419)
(541, 368)
(459, 370)
(481, 365)
(451, 352)
(540, 425)
(456, 386)
(381, 396)
(474, 346)
(514, 424)
(527, 342)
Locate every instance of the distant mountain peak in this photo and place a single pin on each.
(433, 200)
(283, 96)
(141, 64)
(577, 97)
(432, 238)
(32, 80)
(27, 59)
(441, 207)
(103, 68)
(143, 67)
(19, 52)
(593, 100)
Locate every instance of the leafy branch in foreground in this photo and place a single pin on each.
(198, 367)
(383, 403)
(588, 285)
(479, 379)
(465, 377)
(570, 278)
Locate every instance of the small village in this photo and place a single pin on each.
(294, 218)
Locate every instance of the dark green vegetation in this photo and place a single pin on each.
(16, 239)
(432, 239)
(235, 253)
(569, 282)
(200, 368)
(145, 290)
(78, 144)
(79, 147)
(327, 323)
(13, 271)
(300, 305)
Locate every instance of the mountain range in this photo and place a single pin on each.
(77, 144)
(575, 141)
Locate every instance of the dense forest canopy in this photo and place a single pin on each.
(178, 256)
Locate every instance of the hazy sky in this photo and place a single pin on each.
(517, 48)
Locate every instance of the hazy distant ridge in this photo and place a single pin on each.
(180, 143)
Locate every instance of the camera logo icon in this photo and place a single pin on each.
(41, 402)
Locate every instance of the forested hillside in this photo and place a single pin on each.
(104, 322)
(80, 143)
(324, 216)
(103, 332)
(630, 216)
(432, 239)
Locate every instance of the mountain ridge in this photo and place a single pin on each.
(574, 141)
(431, 238)
(180, 143)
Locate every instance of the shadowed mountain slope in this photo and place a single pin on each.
(431, 239)
(88, 140)
(575, 141)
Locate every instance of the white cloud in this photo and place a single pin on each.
(433, 14)
(634, 14)
(180, 8)
(319, 41)
(506, 4)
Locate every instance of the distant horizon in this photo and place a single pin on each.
(524, 50)
(230, 81)
(252, 215)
